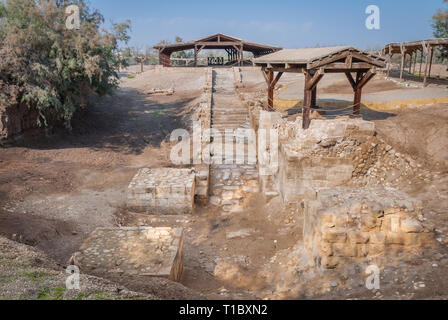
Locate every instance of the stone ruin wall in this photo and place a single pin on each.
(203, 115)
(348, 224)
(343, 178)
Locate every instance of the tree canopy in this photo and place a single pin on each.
(50, 67)
(440, 27)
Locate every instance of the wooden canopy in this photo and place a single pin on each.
(314, 63)
(233, 46)
(412, 48)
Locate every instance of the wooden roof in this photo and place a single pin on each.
(219, 41)
(337, 58)
(411, 46)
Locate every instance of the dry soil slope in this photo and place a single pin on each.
(27, 273)
(421, 132)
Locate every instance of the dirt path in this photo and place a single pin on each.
(58, 189)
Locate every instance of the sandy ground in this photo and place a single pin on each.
(335, 87)
(55, 190)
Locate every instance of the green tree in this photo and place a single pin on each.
(440, 27)
(51, 68)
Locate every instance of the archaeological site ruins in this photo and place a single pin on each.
(227, 169)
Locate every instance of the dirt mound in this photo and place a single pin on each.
(422, 133)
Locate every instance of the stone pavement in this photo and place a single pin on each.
(142, 251)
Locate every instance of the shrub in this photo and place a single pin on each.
(51, 68)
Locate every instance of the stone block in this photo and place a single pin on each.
(334, 235)
(162, 191)
(345, 250)
(145, 251)
(353, 223)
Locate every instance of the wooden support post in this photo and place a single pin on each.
(361, 80)
(310, 95)
(415, 62)
(357, 101)
(421, 63)
(410, 64)
(195, 56)
(270, 89)
(306, 111)
(428, 54)
(271, 82)
(403, 60)
(389, 64)
(430, 62)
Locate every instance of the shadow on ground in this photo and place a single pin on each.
(126, 122)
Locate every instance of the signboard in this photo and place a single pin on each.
(215, 61)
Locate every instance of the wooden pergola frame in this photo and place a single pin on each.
(347, 60)
(412, 48)
(233, 46)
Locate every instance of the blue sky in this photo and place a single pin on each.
(286, 23)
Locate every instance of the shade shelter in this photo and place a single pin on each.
(233, 46)
(315, 63)
(413, 48)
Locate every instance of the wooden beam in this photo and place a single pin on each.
(218, 44)
(312, 83)
(369, 60)
(350, 79)
(342, 66)
(277, 78)
(328, 60)
(349, 62)
(291, 70)
(271, 82)
(365, 79)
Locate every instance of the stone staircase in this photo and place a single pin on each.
(234, 172)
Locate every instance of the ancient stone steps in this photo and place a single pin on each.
(236, 173)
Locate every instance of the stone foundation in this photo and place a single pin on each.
(325, 155)
(162, 191)
(342, 224)
(153, 252)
